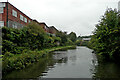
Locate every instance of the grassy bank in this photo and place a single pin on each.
(19, 61)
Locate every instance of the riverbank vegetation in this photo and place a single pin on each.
(21, 47)
(25, 59)
(106, 38)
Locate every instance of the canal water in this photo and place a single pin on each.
(74, 63)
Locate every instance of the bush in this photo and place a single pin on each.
(105, 40)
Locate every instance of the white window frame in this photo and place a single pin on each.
(29, 21)
(2, 4)
(1, 23)
(13, 25)
(25, 19)
(14, 13)
(1, 10)
(21, 17)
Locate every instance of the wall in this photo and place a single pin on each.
(13, 21)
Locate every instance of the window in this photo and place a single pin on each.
(29, 21)
(1, 23)
(14, 13)
(14, 25)
(1, 10)
(25, 19)
(2, 4)
(45, 27)
(21, 17)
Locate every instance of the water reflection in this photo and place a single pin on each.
(60, 64)
(77, 63)
(60, 57)
(105, 70)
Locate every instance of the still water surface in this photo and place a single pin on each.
(74, 63)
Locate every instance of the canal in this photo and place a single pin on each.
(74, 63)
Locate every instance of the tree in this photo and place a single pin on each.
(106, 35)
(63, 36)
(72, 36)
(35, 28)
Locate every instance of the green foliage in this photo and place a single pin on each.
(63, 37)
(20, 61)
(22, 47)
(69, 42)
(72, 36)
(35, 28)
(78, 42)
(105, 40)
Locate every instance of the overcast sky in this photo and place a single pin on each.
(79, 16)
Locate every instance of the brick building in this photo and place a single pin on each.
(44, 26)
(10, 16)
(52, 30)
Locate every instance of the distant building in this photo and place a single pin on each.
(52, 30)
(44, 26)
(86, 39)
(10, 16)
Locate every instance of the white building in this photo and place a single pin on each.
(86, 39)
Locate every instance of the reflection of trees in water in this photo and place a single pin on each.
(63, 60)
(40, 69)
(73, 58)
(37, 68)
(60, 57)
(105, 71)
(94, 64)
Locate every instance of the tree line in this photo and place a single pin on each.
(33, 37)
(106, 38)
(22, 47)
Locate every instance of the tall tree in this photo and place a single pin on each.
(72, 36)
(106, 35)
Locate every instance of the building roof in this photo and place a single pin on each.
(52, 27)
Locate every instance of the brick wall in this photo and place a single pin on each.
(12, 20)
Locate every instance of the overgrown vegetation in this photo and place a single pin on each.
(106, 38)
(25, 59)
(21, 47)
